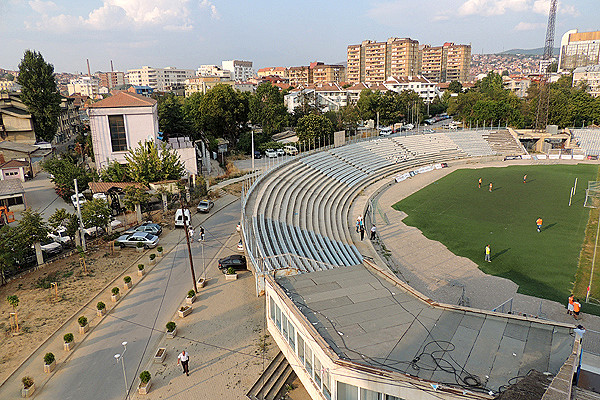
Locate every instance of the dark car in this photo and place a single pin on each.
(257, 154)
(148, 227)
(237, 261)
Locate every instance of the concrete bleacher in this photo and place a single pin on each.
(471, 142)
(502, 142)
(588, 140)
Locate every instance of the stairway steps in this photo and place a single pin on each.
(272, 381)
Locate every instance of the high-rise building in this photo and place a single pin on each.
(372, 62)
(240, 70)
(160, 79)
(85, 86)
(323, 73)
(446, 63)
(589, 75)
(111, 79)
(300, 75)
(579, 49)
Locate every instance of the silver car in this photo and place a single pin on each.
(147, 240)
(204, 206)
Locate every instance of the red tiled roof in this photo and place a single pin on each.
(103, 187)
(124, 99)
(14, 164)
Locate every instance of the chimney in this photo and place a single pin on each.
(88, 64)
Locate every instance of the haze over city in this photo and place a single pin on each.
(186, 33)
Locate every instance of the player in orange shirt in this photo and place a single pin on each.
(479, 183)
(539, 224)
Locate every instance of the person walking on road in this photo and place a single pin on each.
(373, 231)
(488, 251)
(538, 222)
(479, 183)
(576, 308)
(359, 223)
(362, 232)
(191, 233)
(201, 238)
(570, 304)
(184, 358)
(490, 187)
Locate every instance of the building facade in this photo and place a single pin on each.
(112, 79)
(85, 86)
(272, 71)
(160, 79)
(9, 86)
(213, 70)
(446, 63)
(579, 49)
(322, 73)
(16, 123)
(202, 84)
(240, 70)
(590, 76)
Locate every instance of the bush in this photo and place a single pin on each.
(159, 249)
(152, 256)
(171, 326)
(27, 382)
(68, 338)
(230, 271)
(115, 291)
(145, 377)
(82, 321)
(191, 294)
(100, 305)
(127, 279)
(141, 267)
(140, 245)
(183, 308)
(49, 358)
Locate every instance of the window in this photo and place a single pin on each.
(308, 360)
(292, 336)
(118, 136)
(366, 394)
(301, 348)
(318, 368)
(284, 325)
(346, 392)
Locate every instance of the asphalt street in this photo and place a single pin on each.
(40, 196)
(140, 318)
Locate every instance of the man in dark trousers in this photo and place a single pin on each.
(184, 358)
(373, 231)
(362, 232)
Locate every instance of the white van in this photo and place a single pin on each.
(290, 150)
(179, 218)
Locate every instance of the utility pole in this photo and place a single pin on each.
(81, 234)
(187, 239)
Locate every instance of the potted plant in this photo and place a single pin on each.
(191, 296)
(230, 275)
(140, 269)
(171, 330)
(83, 324)
(126, 282)
(49, 362)
(159, 250)
(115, 294)
(184, 311)
(28, 386)
(139, 247)
(160, 355)
(68, 338)
(100, 309)
(200, 283)
(144, 386)
(152, 258)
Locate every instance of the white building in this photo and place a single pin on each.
(118, 123)
(160, 79)
(426, 89)
(9, 86)
(85, 86)
(213, 70)
(240, 70)
(591, 76)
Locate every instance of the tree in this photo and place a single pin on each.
(314, 127)
(455, 87)
(33, 230)
(266, 109)
(172, 120)
(147, 163)
(64, 170)
(69, 221)
(40, 94)
(11, 248)
(134, 198)
(96, 213)
(115, 172)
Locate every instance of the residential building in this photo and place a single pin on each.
(213, 70)
(579, 49)
(9, 86)
(300, 75)
(69, 123)
(118, 123)
(372, 62)
(202, 84)
(426, 89)
(240, 70)
(281, 72)
(16, 123)
(518, 84)
(14, 169)
(141, 90)
(111, 79)
(323, 73)
(85, 86)
(34, 156)
(446, 63)
(159, 78)
(590, 76)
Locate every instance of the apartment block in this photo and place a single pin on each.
(213, 70)
(589, 75)
(328, 73)
(160, 79)
(240, 70)
(446, 63)
(372, 62)
(579, 49)
(85, 86)
(111, 79)
(300, 75)
(281, 72)
(202, 84)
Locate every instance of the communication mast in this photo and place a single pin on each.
(541, 118)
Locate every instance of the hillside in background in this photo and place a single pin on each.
(529, 52)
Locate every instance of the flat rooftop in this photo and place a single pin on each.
(368, 319)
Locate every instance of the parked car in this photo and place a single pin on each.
(237, 261)
(280, 152)
(290, 150)
(257, 154)
(60, 236)
(100, 196)
(50, 247)
(179, 218)
(92, 232)
(131, 240)
(204, 206)
(148, 227)
(78, 199)
(270, 153)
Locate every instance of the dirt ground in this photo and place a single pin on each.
(41, 312)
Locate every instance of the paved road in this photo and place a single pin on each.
(93, 371)
(40, 195)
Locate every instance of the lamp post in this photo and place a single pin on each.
(120, 357)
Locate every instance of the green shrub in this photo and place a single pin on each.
(127, 279)
(230, 271)
(159, 249)
(141, 267)
(82, 321)
(115, 291)
(140, 245)
(49, 358)
(152, 257)
(68, 338)
(191, 294)
(145, 377)
(27, 382)
(171, 326)
(100, 305)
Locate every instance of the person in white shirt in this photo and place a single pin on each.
(184, 358)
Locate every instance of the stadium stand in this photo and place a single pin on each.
(502, 142)
(472, 143)
(588, 140)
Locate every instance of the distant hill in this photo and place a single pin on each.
(529, 52)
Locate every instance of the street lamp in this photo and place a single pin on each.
(120, 357)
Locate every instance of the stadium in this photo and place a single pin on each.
(395, 317)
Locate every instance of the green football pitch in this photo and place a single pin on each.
(455, 212)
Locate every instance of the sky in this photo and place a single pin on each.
(189, 33)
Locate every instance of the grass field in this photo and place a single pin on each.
(455, 212)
